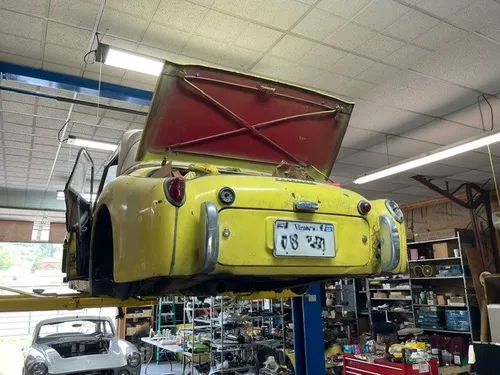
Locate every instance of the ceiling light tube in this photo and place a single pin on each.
(432, 157)
(119, 58)
(72, 140)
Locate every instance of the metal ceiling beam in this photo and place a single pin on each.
(80, 85)
(477, 201)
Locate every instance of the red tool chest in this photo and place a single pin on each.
(355, 365)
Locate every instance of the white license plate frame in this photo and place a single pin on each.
(303, 246)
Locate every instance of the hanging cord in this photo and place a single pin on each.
(488, 146)
(60, 130)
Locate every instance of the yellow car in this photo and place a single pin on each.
(226, 190)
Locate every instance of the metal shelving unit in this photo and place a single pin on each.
(344, 293)
(450, 280)
(402, 311)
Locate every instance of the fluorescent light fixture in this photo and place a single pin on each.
(432, 157)
(72, 140)
(128, 60)
(86, 196)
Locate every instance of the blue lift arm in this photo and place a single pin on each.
(87, 86)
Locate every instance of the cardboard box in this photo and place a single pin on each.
(379, 295)
(413, 254)
(440, 299)
(443, 250)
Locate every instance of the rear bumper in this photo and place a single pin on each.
(239, 241)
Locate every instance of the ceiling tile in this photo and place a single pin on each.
(411, 25)
(491, 31)
(348, 170)
(406, 56)
(370, 159)
(329, 81)
(323, 57)
(21, 25)
(180, 14)
(318, 24)
(470, 160)
(203, 48)
(21, 60)
(355, 88)
(139, 8)
(114, 123)
(16, 128)
(384, 119)
(156, 52)
(14, 96)
(380, 14)
(239, 58)
(16, 151)
(35, 8)
(123, 25)
(302, 75)
(140, 77)
(46, 141)
(345, 151)
(378, 73)
(17, 118)
(349, 36)
(291, 48)
(82, 129)
(45, 132)
(119, 42)
(165, 38)
(403, 147)
(221, 27)
(415, 190)
(438, 170)
(476, 15)
(272, 67)
(18, 107)
(26, 138)
(352, 65)
(361, 138)
(67, 35)
(52, 112)
(478, 55)
(18, 145)
(442, 9)
(51, 67)
(257, 38)
(63, 55)
(442, 132)
(344, 9)
(246, 9)
(440, 35)
(281, 13)
(74, 12)
(472, 176)
(379, 47)
(21, 46)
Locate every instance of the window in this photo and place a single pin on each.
(75, 327)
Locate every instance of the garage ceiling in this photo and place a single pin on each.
(413, 67)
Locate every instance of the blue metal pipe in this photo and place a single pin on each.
(87, 86)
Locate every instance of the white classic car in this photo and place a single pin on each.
(80, 345)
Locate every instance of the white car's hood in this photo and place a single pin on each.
(115, 358)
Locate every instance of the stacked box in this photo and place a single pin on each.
(457, 320)
(452, 270)
(430, 319)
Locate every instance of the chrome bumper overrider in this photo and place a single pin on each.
(209, 244)
(390, 245)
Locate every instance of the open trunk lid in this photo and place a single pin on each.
(203, 114)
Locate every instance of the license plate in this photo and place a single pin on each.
(303, 239)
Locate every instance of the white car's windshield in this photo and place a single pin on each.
(84, 327)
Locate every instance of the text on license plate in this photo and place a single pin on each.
(303, 239)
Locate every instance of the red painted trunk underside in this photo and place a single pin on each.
(203, 110)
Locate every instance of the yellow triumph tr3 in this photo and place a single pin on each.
(227, 189)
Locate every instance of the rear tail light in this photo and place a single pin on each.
(364, 207)
(175, 190)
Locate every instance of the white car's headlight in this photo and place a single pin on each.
(394, 210)
(38, 368)
(134, 359)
